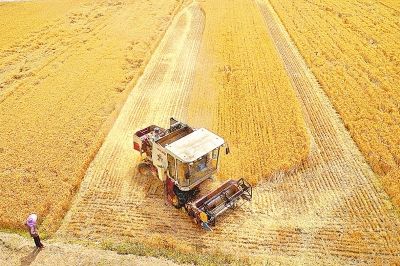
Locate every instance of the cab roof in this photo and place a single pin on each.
(193, 146)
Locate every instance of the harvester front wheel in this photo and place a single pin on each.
(175, 202)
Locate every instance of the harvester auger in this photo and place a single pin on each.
(183, 158)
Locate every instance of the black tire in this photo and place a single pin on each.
(184, 196)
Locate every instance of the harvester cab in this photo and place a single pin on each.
(183, 158)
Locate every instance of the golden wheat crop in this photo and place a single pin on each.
(243, 86)
(60, 88)
(353, 49)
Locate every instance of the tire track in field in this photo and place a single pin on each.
(111, 198)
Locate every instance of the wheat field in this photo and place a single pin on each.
(61, 86)
(353, 49)
(328, 209)
(303, 92)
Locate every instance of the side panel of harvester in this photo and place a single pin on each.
(159, 159)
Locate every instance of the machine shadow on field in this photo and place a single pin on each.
(149, 185)
(155, 202)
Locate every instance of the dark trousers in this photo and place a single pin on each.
(37, 241)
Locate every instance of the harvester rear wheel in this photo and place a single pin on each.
(144, 169)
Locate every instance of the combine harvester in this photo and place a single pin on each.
(183, 158)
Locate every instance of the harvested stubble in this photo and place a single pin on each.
(60, 88)
(242, 85)
(353, 49)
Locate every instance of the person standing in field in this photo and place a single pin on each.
(31, 224)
